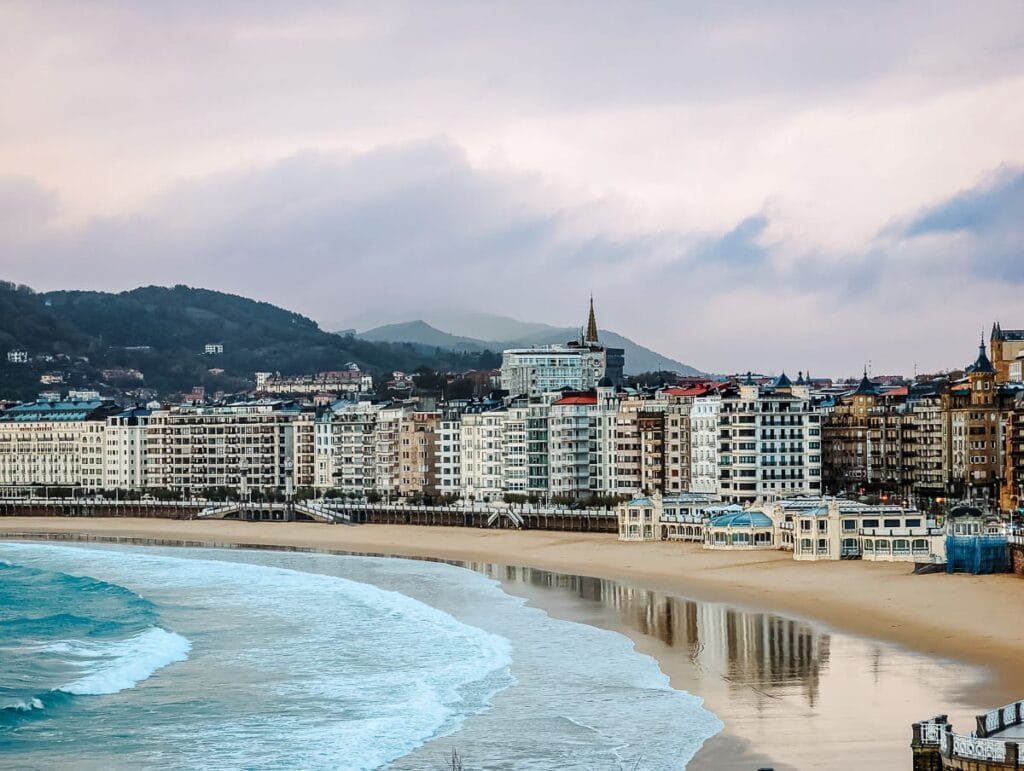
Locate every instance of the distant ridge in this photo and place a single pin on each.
(419, 332)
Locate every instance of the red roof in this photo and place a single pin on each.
(582, 399)
(901, 391)
(693, 391)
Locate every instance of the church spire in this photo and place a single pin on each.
(591, 335)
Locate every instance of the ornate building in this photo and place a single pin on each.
(1006, 347)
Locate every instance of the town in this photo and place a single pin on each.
(725, 461)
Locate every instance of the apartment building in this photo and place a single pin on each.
(419, 471)
(769, 442)
(263, 445)
(482, 453)
(125, 449)
(450, 452)
(704, 417)
(577, 365)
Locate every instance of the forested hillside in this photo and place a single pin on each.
(161, 332)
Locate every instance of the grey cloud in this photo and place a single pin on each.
(334, 235)
(991, 216)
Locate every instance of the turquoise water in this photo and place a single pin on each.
(127, 657)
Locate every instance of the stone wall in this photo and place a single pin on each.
(1017, 558)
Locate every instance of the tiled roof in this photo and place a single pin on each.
(577, 399)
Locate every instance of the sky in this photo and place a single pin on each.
(742, 185)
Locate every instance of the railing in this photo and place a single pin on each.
(974, 748)
(937, 732)
(1000, 719)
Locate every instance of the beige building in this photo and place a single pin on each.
(262, 445)
(419, 434)
(54, 443)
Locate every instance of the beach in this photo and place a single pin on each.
(973, 620)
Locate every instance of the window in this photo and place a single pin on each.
(823, 546)
(870, 523)
(805, 544)
(849, 525)
(822, 525)
(805, 524)
(891, 523)
(913, 523)
(869, 545)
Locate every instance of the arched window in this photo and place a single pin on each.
(921, 545)
(805, 544)
(869, 545)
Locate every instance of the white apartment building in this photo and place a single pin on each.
(531, 371)
(450, 453)
(17, 356)
(704, 443)
(514, 455)
(769, 442)
(483, 454)
(345, 449)
(57, 443)
(125, 450)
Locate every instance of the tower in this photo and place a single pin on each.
(591, 334)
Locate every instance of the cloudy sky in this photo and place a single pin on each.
(741, 185)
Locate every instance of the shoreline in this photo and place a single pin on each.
(873, 601)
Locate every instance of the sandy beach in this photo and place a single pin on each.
(976, 620)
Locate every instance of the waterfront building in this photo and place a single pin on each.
(515, 456)
(17, 356)
(704, 416)
(680, 516)
(450, 452)
(346, 453)
(569, 438)
(262, 445)
(1011, 496)
(741, 530)
(482, 452)
(387, 452)
(975, 410)
(125, 450)
(419, 471)
(56, 443)
(840, 529)
(769, 442)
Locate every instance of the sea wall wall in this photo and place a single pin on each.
(1017, 558)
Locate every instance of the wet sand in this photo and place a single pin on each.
(808, 665)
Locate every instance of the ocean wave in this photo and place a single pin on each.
(26, 705)
(124, 663)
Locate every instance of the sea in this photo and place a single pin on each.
(163, 657)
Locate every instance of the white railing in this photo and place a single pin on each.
(992, 721)
(931, 733)
(973, 748)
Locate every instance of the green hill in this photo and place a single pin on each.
(162, 332)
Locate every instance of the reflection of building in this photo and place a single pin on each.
(760, 650)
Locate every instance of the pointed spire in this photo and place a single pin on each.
(866, 387)
(591, 335)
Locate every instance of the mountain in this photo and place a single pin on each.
(421, 333)
(162, 333)
(638, 358)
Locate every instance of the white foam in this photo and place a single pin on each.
(122, 665)
(24, 706)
